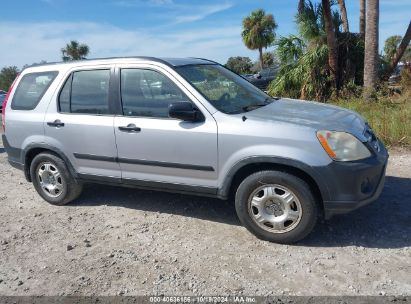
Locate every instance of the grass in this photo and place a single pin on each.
(390, 117)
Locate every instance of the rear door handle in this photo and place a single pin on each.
(57, 123)
(131, 128)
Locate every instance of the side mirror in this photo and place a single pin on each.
(258, 76)
(184, 111)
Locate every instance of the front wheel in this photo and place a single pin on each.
(276, 206)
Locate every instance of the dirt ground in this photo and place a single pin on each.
(119, 241)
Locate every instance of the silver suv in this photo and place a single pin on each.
(190, 126)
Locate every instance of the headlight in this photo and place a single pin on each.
(342, 146)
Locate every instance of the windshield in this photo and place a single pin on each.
(225, 90)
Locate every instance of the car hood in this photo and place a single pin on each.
(318, 116)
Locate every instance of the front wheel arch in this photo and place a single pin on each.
(249, 166)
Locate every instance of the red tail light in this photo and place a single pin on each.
(3, 113)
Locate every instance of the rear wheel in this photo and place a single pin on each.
(52, 179)
(276, 206)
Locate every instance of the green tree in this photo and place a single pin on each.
(240, 65)
(75, 51)
(390, 46)
(402, 49)
(269, 59)
(304, 69)
(7, 76)
(259, 32)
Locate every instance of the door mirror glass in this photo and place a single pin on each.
(184, 111)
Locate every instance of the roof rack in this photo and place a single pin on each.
(97, 59)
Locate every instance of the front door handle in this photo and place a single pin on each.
(131, 128)
(57, 123)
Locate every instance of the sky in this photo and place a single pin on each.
(36, 30)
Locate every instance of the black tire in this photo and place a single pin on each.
(71, 188)
(308, 204)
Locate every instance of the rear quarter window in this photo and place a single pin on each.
(31, 89)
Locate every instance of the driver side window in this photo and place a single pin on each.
(148, 93)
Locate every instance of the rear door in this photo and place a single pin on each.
(80, 122)
(162, 150)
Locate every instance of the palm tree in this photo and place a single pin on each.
(362, 18)
(258, 32)
(304, 69)
(344, 17)
(371, 58)
(399, 52)
(300, 6)
(331, 41)
(390, 47)
(75, 51)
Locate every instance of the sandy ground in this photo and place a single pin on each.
(119, 241)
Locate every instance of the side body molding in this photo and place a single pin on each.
(20, 156)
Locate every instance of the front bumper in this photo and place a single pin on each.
(352, 185)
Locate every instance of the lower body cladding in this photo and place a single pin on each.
(353, 184)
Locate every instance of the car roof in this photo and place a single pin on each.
(186, 61)
(173, 62)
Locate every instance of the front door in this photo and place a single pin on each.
(155, 149)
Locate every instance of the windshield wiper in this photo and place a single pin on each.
(254, 106)
(267, 101)
(271, 99)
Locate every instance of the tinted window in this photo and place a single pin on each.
(89, 92)
(148, 93)
(31, 89)
(86, 92)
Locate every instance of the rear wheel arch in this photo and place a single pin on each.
(31, 151)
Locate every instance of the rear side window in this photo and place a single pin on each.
(86, 92)
(31, 89)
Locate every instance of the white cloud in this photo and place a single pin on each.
(161, 2)
(26, 43)
(177, 12)
(202, 12)
(137, 3)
